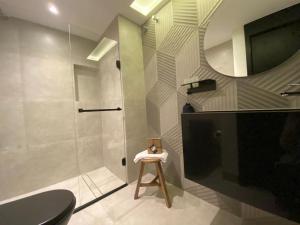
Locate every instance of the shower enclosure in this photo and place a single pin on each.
(57, 129)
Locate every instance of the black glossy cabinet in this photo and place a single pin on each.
(252, 156)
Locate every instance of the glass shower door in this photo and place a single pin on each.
(99, 116)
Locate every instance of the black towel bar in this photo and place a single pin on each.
(98, 110)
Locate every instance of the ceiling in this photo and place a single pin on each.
(88, 18)
(233, 14)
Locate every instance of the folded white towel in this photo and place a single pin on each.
(145, 155)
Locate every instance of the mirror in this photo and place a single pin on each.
(245, 37)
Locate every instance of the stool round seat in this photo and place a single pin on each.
(150, 160)
(48, 208)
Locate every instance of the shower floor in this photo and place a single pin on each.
(85, 187)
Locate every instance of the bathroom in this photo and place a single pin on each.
(85, 84)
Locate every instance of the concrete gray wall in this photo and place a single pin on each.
(37, 108)
(88, 125)
(132, 70)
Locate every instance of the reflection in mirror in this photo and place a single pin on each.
(250, 37)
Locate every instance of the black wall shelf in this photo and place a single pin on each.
(201, 86)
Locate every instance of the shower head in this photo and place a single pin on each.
(145, 29)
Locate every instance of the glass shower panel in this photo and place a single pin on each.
(99, 115)
(38, 147)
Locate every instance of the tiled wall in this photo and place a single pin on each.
(37, 111)
(88, 125)
(173, 51)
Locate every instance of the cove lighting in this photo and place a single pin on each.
(145, 6)
(53, 9)
(102, 48)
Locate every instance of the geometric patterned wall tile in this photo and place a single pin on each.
(162, 28)
(182, 90)
(149, 35)
(188, 59)
(150, 72)
(206, 73)
(251, 97)
(295, 102)
(175, 39)
(168, 114)
(153, 116)
(181, 101)
(172, 168)
(160, 93)
(222, 81)
(181, 55)
(166, 68)
(223, 99)
(197, 101)
(278, 78)
(152, 132)
(173, 138)
(201, 34)
(206, 8)
(185, 12)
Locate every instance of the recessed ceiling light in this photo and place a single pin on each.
(145, 6)
(102, 48)
(53, 9)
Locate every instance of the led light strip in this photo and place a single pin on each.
(102, 48)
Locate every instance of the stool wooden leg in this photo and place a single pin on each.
(163, 184)
(136, 195)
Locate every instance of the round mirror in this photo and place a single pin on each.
(246, 37)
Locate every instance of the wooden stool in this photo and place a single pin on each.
(159, 180)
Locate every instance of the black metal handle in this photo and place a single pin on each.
(98, 110)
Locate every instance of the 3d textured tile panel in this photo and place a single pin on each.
(173, 138)
(153, 116)
(223, 99)
(252, 97)
(168, 114)
(206, 9)
(175, 39)
(150, 71)
(178, 38)
(277, 79)
(188, 59)
(166, 69)
(165, 23)
(149, 35)
(185, 12)
(160, 93)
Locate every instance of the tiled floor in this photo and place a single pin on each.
(85, 187)
(121, 209)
